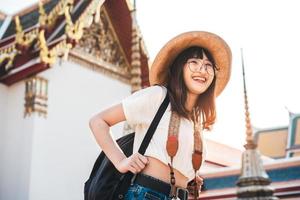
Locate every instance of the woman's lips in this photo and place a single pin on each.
(199, 79)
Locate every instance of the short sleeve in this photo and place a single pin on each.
(141, 106)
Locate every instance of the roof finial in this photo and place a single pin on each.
(249, 132)
(253, 182)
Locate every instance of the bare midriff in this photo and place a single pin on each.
(161, 171)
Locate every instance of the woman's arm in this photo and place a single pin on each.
(100, 124)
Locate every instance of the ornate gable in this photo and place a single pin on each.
(100, 45)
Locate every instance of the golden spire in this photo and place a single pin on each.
(253, 182)
(249, 133)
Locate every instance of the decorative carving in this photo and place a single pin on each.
(91, 12)
(49, 56)
(100, 42)
(62, 49)
(48, 21)
(23, 41)
(7, 56)
(43, 19)
(73, 31)
(36, 96)
(7, 61)
(46, 56)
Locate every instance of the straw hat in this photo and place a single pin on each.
(213, 43)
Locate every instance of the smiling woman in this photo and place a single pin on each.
(189, 73)
(191, 69)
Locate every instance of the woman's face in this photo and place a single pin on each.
(198, 74)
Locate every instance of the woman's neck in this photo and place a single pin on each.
(190, 101)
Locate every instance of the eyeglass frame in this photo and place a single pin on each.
(204, 63)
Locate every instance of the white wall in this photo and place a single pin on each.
(16, 137)
(3, 105)
(64, 149)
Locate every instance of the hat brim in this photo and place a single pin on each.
(213, 43)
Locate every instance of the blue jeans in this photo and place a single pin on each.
(138, 192)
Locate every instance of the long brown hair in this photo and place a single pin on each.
(205, 104)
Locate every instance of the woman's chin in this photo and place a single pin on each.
(197, 90)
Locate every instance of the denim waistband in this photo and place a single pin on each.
(159, 185)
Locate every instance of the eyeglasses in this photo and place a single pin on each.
(197, 65)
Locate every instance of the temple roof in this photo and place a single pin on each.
(36, 36)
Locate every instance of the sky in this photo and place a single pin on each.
(267, 30)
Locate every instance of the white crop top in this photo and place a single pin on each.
(140, 109)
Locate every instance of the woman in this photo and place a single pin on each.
(192, 68)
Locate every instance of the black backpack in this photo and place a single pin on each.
(105, 181)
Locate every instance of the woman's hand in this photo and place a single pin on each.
(191, 184)
(135, 163)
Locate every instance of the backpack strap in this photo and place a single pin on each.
(153, 125)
